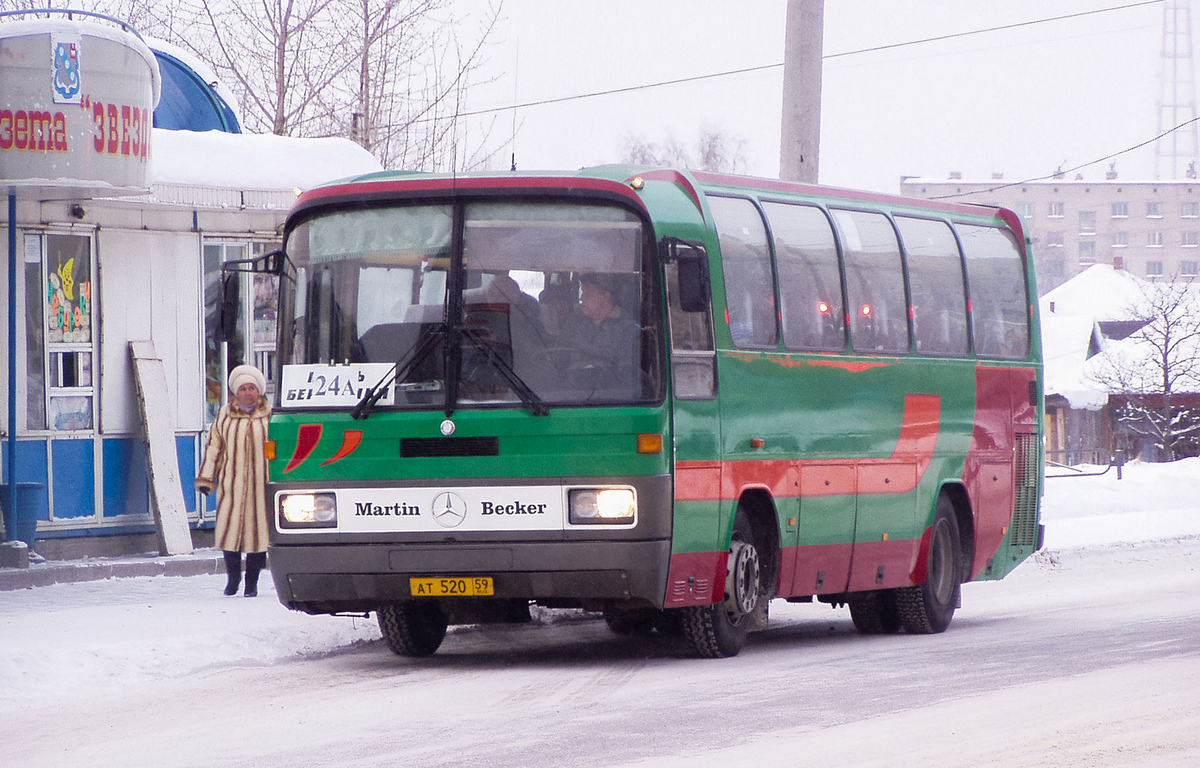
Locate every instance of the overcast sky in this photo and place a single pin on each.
(1019, 102)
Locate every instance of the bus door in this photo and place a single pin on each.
(695, 426)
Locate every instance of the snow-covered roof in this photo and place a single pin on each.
(1067, 343)
(1071, 316)
(255, 161)
(1099, 292)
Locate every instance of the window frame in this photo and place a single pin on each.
(840, 265)
(50, 348)
(748, 344)
(907, 298)
(962, 267)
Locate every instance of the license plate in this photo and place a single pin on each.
(452, 586)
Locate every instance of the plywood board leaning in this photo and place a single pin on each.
(166, 491)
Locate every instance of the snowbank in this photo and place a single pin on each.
(1151, 501)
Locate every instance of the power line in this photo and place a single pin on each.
(1060, 172)
(992, 29)
(765, 67)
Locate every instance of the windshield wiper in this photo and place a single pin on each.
(432, 336)
(535, 404)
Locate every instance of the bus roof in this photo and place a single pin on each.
(621, 181)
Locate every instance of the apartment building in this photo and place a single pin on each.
(1150, 228)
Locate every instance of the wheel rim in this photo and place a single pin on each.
(941, 564)
(743, 581)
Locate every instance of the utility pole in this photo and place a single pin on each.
(801, 135)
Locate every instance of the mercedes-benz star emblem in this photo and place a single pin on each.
(449, 509)
(447, 427)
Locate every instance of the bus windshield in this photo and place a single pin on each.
(492, 304)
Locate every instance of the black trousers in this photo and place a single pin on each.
(255, 562)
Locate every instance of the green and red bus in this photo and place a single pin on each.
(666, 396)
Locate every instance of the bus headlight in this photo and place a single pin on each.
(602, 506)
(307, 510)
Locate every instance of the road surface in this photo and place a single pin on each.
(1087, 657)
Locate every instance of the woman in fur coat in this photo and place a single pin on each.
(234, 465)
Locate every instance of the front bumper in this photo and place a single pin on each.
(335, 578)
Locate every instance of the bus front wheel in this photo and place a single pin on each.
(928, 608)
(412, 627)
(719, 631)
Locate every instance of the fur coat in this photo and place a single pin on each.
(235, 466)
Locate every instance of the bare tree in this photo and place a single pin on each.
(275, 55)
(1156, 363)
(715, 151)
(391, 74)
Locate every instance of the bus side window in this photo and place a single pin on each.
(996, 280)
(935, 280)
(874, 282)
(749, 278)
(810, 283)
(693, 357)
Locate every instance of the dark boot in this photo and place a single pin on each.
(233, 568)
(254, 565)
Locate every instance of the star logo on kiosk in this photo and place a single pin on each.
(449, 509)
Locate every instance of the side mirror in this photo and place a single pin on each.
(272, 263)
(227, 308)
(692, 261)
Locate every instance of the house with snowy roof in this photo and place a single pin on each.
(1100, 368)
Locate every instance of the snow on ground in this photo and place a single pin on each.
(1149, 502)
(91, 639)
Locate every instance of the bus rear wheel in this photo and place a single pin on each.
(875, 613)
(719, 631)
(928, 608)
(412, 627)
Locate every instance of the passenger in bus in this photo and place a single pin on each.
(560, 312)
(234, 465)
(607, 336)
(518, 338)
(504, 290)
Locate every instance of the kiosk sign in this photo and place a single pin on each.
(76, 108)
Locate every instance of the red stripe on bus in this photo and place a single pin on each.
(899, 473)
(853, 366)
(306, 441)
(787, 361)
(351, 439)
(422, 184)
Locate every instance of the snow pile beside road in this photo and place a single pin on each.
(1150, 502)
(93, 639)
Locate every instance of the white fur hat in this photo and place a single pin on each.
(247, 374)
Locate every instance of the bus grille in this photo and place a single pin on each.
(1024, 519)
(448, 447)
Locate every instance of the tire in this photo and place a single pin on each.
(927, 609)
(719, 631)
(412, 628)
(638, 621)
(875, 613)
